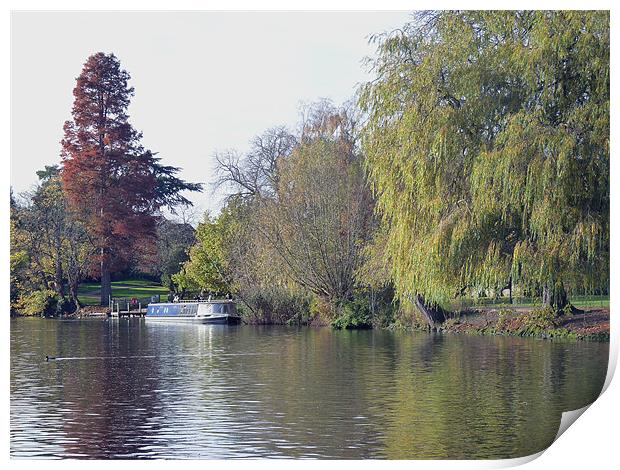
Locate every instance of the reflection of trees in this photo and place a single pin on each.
(211, 391)
(315, 403)
(484, 397)
(265, 391)
(108, 401)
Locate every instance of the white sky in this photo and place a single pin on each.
(204, 81)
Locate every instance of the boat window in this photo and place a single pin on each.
(217, 308)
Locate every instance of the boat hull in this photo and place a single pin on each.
(221, 312)
(214, 320)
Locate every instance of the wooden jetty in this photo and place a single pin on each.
(127, 308)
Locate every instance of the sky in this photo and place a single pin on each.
(204, 81)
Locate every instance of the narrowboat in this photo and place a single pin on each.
(200, 311)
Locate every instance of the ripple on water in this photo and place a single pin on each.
(197, 391)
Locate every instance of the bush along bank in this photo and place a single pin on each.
(368, 309)
(44, 303)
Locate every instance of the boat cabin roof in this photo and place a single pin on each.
(221, 301)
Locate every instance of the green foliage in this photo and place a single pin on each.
(352, 319)
(568, 310)
(18, 264)
(320, 309)
(168, 282)
(537, 320)
(64, 306)
(368, 308)
(355, 314)
(38, 302)
(487, 147)
(49, 246)
(208, 261)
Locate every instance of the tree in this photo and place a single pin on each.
(208, 266)
(311, 206)
(48, 222)
(320, 220)
(63, 242)
(19, 256)
(174, 240)
(487, 147)
(256, 175)
(295, 224)
(115, 184)
(49, 247)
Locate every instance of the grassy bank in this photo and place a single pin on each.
(579, 301)
(89, 293)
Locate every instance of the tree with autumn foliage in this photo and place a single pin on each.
(109, 177)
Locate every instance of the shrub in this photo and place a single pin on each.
(538, 320)
(355, 314)
(65, 306)
(369, 308)
(39, 302)
(276, 306)
(320, 309)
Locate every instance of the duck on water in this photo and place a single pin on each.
(202, 311)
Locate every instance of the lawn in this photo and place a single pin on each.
(89, 293)
(579, 301)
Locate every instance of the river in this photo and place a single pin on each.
(134, 389)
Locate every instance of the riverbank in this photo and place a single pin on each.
(90, 311)
(589, 324)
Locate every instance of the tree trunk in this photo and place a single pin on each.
(73, 293)
(435, 315)
(554, 296)
(106, 281)
(59, 288)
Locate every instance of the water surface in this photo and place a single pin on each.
(134, 389)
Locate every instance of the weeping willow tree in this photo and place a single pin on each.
(487, 147)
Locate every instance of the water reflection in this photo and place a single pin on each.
(142, 390)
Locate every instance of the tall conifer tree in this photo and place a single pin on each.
(108, 176)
